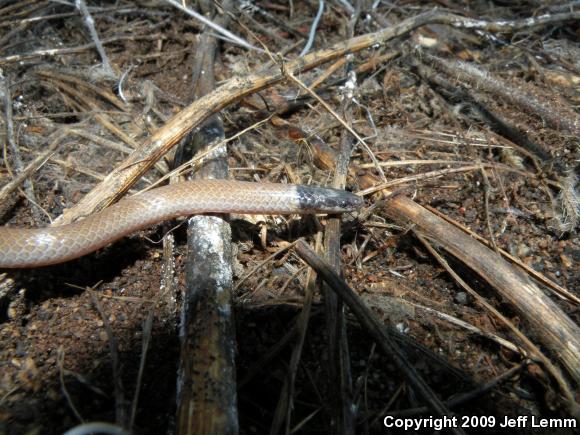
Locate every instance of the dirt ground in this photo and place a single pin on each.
(424, 120)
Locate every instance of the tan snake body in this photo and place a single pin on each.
(20, 248)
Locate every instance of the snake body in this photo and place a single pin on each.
(20, 248)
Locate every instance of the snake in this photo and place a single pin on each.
(34, 247)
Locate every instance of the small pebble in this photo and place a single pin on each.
(461, 298)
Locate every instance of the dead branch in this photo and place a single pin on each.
(207, 401)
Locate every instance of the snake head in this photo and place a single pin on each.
(327, 200)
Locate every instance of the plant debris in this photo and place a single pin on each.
(457, 122)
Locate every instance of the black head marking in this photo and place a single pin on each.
(326, 200)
